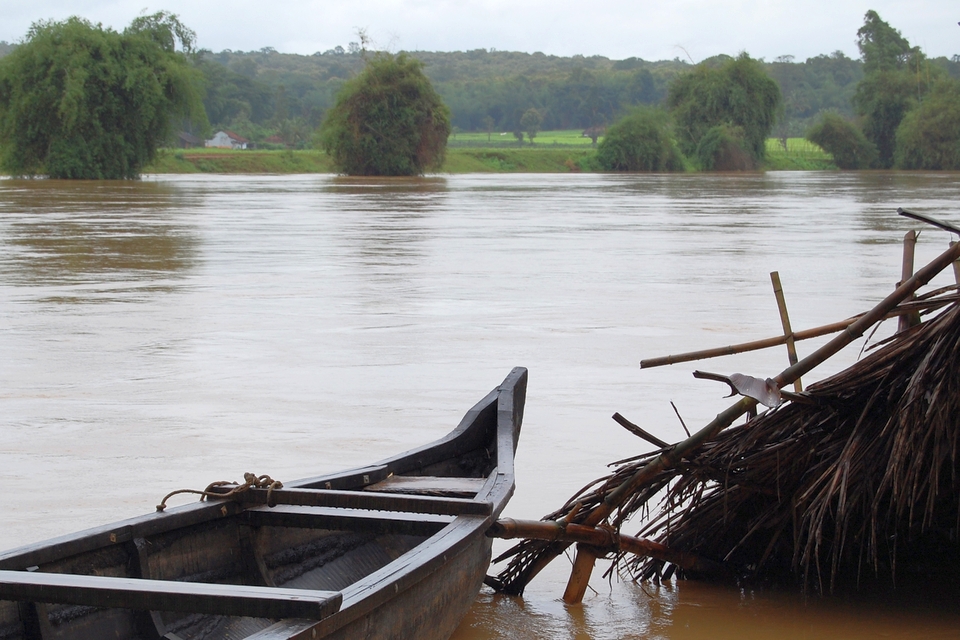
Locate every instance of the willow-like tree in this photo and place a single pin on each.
(640, 141)
(737, 96)
(844, 141)
(929, 136)
(388, 121)
(81, 101)
(892, 84)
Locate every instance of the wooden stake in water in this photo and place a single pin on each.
(909, 249)
(956, 267)
(785, 322)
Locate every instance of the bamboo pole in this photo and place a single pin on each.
(602, 539)
(906, 270)
(669, 458)
(579, 580)
(776, 341)
(785, 322)
(956, 267)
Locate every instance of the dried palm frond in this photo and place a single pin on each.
(863, 478)
(862, 474)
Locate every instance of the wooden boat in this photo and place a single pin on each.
(393, 550)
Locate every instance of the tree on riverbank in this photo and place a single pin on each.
(844, 141)
(530, 123)
(388, 121)
(642, 141)
(892, 84)
(81, 101)
(929, 136)
(737, 100)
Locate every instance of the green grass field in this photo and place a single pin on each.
(800, 155)
(499, 139)
(553, 152)
(248, 161)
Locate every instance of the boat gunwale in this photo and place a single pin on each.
(379, 587)
(196, 513)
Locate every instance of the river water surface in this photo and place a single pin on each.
(170, 332)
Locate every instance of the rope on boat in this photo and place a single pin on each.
(250, 481)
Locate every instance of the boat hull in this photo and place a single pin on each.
(393, 550)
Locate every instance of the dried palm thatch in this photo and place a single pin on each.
(860, 479)
(838, 490)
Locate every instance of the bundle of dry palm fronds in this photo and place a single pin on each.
(841, 489)
(859, 480)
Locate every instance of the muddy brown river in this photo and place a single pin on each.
(166, 333)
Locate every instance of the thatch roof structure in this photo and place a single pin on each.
(862, 483)
(856, 481)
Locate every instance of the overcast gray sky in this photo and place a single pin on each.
(688, 29)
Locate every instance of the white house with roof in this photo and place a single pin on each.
(227, 140)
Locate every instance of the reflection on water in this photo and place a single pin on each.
(94, 235)
(296, 325)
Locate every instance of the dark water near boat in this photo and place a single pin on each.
(167, 333)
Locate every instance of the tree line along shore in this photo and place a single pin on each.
(78, 100)
(800, 155)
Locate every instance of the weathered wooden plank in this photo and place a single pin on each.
(355, 520)
(421, 571)
(165, 595)
(143, 526)
(430, 485)
(344, 480)
(362, 500)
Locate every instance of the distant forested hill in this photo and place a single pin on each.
(269, 95)
(489, 90)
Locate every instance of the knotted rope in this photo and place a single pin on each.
(250, 481)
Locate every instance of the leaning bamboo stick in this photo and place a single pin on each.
(766, 343)
(785, 323)
(672, 456)
(857, 329)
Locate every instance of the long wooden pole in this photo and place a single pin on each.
(785, 323)
(602, 539)
(906, 270)
(765, 343)
(669, 458)
(956, 267)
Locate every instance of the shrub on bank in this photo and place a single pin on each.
(929, 136)
(388, 121)
(642, 141)
(844, 141)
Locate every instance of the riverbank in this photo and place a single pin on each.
(799, 155)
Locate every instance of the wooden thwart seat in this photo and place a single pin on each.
(168, 595)
(430, 486)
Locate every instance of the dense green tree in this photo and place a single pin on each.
(488, 125)
(640, 141)
(530, 123)
(81, 101)
(892, 85)
(725, 148)
(231, 98)
(844, 141)
(736, 93)
(929, 136)
(387, 121)
(881, 46)
(882, 100)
